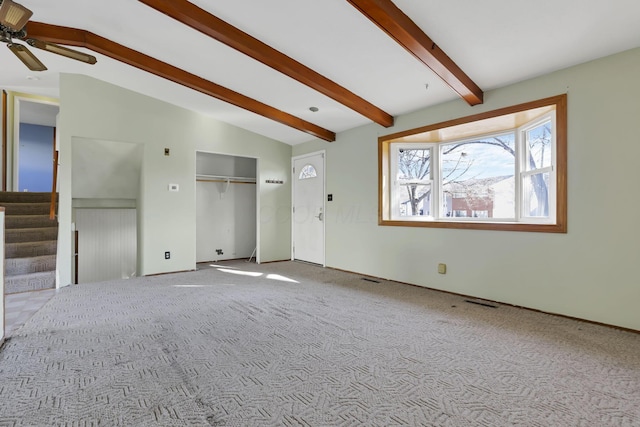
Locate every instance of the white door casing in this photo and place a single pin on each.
(308, 216)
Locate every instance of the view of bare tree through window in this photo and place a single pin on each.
(538, 167)
(499, 170)
(478, 176)
(414, 174)
(471, 174)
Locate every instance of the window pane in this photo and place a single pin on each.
(479, 176)
(414, 165)
(536, 195)
(308, 171)
(539, 145)
(413, 176)
(414, 200)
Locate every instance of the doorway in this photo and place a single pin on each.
(308, 228)
(34, 125)
(106, 178)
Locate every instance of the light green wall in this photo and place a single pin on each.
(590, 272)
(92, 109)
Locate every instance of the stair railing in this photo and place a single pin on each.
(52, 208)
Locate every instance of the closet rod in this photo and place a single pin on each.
(224, 180)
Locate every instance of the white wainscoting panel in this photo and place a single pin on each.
(107, 244)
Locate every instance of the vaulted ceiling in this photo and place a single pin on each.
(261, 65)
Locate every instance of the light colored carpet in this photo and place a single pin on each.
(288, 344)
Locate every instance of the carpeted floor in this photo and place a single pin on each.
(287, 344)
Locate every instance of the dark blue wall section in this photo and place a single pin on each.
(35, 165)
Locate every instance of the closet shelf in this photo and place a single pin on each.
(203, 177)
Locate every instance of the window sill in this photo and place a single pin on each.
(477, 225)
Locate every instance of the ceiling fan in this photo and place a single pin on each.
(13, 19)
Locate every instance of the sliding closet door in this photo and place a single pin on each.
(107, 244)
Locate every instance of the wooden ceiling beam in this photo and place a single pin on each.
(81, 38)
(201, 20)
(390, 19)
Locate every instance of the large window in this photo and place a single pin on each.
(502, 170)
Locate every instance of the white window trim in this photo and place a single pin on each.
(396, 184)
(520, 174)
(524, 173)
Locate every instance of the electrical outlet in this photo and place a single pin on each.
(167, 255)
(442, 268)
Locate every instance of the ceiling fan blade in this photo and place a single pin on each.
(61, 50)
(14, 15)
(26, 57)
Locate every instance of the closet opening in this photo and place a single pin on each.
(226, 207)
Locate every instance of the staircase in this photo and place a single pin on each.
(31, 241)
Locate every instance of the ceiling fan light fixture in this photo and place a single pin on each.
(26, 57)
(14, 15)
(61, 50)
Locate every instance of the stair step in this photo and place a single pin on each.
(30, 234)
(38, 264)
(26, 208)
(29, 221)
(30, 249)
(30, 241)
(25, 197)
(30, 282)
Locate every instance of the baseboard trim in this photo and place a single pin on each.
(222, 260)
(168, 272)
(277, 260)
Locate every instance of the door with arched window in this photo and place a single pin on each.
(308, 208)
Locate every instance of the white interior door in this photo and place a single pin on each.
(308, 208)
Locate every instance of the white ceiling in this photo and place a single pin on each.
(495, 42)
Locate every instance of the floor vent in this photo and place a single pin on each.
(370, 280)
(484, 304)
